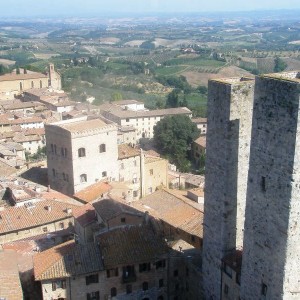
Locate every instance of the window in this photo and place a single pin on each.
(102, 148)
(41, 84)
(145, 286)
(93, 296)
(175, 273)
(176, 286)
(144, 267)
(150, 190)
(45, 229)
(63, 152)
(263, 183)
(128, 289)
(160, 264)
(81, 152)
(226, 289)
(113, 292)
(52, 148)
(264, 289)
(83, 178)
(127, 119)
(21, 86)
(59, 284)
(55, 149)
(53, 173)
(104, 174)
(160, 283)
(123, 220)
(32, 84)
(228, 270)
(135, 193)
(151, 171)
(112, 272)
(122, 166)
(61, 225)
(91, 279)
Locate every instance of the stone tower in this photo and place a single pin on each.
(271, 254)
(230, 103)
(54, 78)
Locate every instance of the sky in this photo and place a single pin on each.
(54, 8)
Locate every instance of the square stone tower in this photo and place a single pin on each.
(271, 254)
(230, 103)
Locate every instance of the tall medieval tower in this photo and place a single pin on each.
(230, 103)
(271, 254)
(54, 78)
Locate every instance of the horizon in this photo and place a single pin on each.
(94, 8)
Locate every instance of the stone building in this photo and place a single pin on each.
(230, 103)
(142, 120)
(135, 269)
(81, 152)
(14, 84)
(267, 176)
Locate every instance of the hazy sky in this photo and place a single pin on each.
(97, 7)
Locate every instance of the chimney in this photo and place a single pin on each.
(69, 210)
(48, 207)
(48, 188)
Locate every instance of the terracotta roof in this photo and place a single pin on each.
(83, 125)
(17, 104)
(130, 245)
(11, 77)
(21, 138)
(26, 120)
(10, 287)
(22, 217)
(6, 170)
(199, 120)
(126, 151)
(127, 102)
(173, 210)
(201, 141)
(109, 208)
(151, 153)
(117, 111)
(85, 214)
(93, 192)
(66, 260)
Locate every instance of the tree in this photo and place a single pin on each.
(173, 99)
(280, 65)
(173, 137)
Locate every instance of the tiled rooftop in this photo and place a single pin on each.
(83, 125)
(93, 192)
(201, 141)
(66, 260)
(126, 151)
(85, 214)
(109, 208)
(173, 210)
(31, 75)
(10, 287)
(130, 245)
(36, 214)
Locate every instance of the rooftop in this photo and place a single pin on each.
(93, 192)
(29, 75)
(85, 214)
(133, 244)
(201, 141)
(66, 260)
(109, 208)
(33, 214)
(10, 287)
(173, 210)
(126, 151)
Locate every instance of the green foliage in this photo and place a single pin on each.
(173, 99)
(173, 137)
(3, 70)
(116, 96)
(149, 45)
(280, 65)
(176, 82)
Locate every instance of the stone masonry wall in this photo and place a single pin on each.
(229, 124)
(271, 255)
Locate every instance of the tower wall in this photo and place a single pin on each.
(230, 104)
(271, 254)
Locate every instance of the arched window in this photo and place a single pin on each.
(32, 84)
(83, 178)
(41, 84)
(113, 292)
(81, 152)
(145, 286)
(102, 148)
